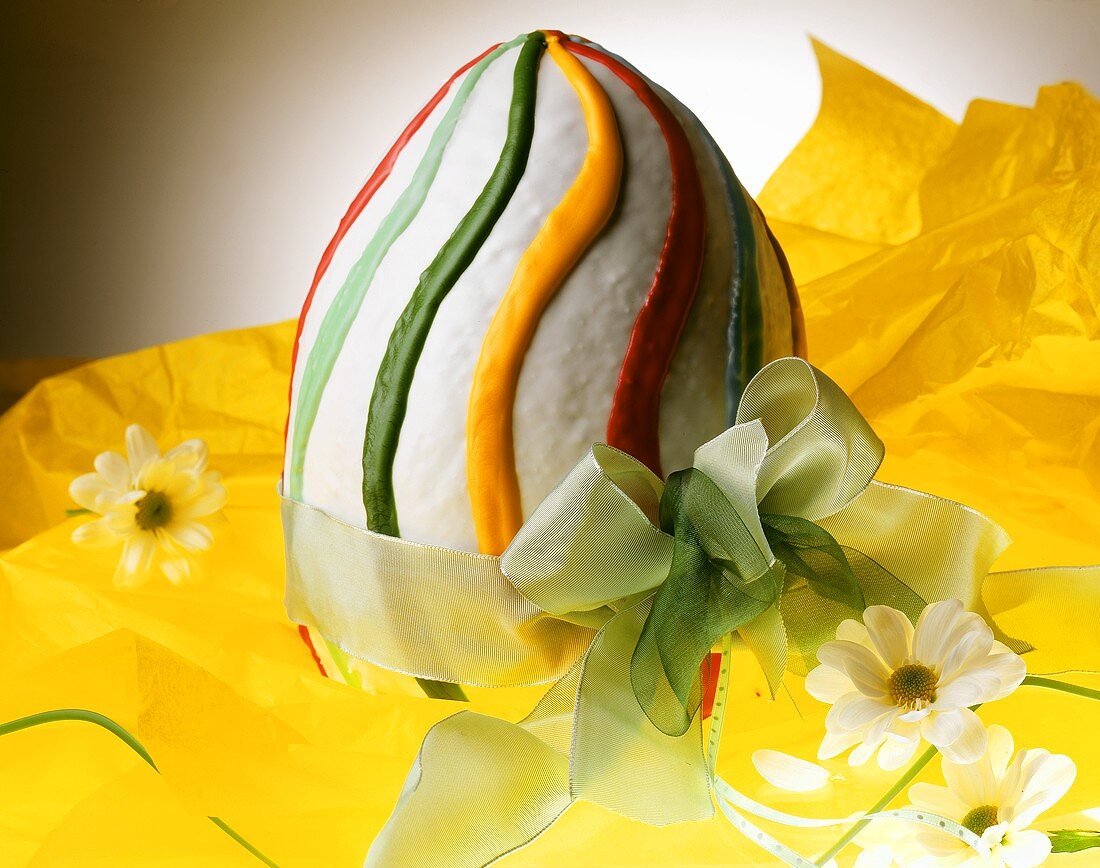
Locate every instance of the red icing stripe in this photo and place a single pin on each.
(635, 410)
(381, 173)
(303, 631)
(708, 674)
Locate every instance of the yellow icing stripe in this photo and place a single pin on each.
(559, 244)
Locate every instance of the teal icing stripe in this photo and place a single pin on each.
(745, 334)
(389, 399)
(345, 306)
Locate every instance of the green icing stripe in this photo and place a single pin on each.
(345, 306)
(390, 397)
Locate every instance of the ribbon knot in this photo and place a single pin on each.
(719, 580)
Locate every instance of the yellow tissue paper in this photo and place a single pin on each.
(950, 276)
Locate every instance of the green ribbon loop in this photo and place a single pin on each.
(810, 553)
(719, 581)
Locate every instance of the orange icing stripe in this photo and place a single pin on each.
(568, 231)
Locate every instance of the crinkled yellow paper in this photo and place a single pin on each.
(951, 279)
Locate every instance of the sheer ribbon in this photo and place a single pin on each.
(614, 590)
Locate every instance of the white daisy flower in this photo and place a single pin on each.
(891, 685)
(150, 505)
(997, 798)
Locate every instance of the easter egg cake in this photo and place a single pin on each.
(554, 253)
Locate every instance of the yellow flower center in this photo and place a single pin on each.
(153, 511)
(913, 685)
(980, 819)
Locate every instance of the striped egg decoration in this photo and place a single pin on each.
(554, 253)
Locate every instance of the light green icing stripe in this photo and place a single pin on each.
(345, 306)
(343, 665)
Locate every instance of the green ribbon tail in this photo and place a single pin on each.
(442, 690)
(586, 739)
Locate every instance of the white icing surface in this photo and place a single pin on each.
(333, 474)
(430, 467)
(361, 231)
(693, 402)
(583, 333)
(570, 372)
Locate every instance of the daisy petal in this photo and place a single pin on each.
(969, 742)
(159, 475)
(973, 783)
(944, 847)
(137, 557)
(896, 752)
(1051, 777)
(114, 470)
(937, 800)
(863, 752)
(835, 743)
(964, 691)
(86, 490)
(862, 665)
(942, 728)
(95, 533)
(189, 455)
(120, 516)
(890, 632)
(999, 750)
(789, 772)
(826, 684)
(854, 711)
(140, 447)
(851, 630)
(1025, 849)
(191, 536)
(176, 570)
(973, 648)
(1010, 669)
(880, 726)
(204, 503)
(879, 856)
(933, 627)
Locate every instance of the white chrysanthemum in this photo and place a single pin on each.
(151, 505)
(891, 685)
(998, 798)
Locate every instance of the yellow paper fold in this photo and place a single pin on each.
(950, 277)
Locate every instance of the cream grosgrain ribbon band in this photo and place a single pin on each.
(601, 592)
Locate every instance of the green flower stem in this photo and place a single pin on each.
(86, 716)
(130, 741)
(880, 805)
(1051, 684)
(232, 833)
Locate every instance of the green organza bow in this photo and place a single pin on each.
(615, 589)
